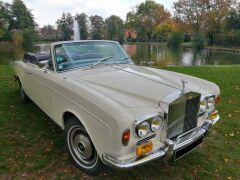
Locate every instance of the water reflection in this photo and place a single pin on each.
(150, 54)
(159, 54)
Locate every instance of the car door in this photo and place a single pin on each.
(41, 86)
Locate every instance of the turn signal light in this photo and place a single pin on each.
(144, 148)
(126, 137)
(217, 99)
(213, 115)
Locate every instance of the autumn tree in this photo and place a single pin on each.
(83, 25)
(215, 17)
(114, 28)
(65, 26)
(205, 16)
(164, 29)
(48, 32)
(97, 26)
(147, 15)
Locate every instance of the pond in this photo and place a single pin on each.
(160, 54)
(153, 54)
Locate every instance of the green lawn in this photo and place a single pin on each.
(31, 145)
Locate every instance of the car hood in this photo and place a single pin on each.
(130, 85)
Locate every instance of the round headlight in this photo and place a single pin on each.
(211, 103)
(156, 123)
(143, 129)
(203, 105)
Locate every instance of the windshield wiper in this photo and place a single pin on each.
(101, 60)
(123, 59)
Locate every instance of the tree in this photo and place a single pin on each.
(65, 26)
(48, 32)
(5, 14)
(191, 11)
(206, 16)
(83, 25)
(233, 19)
(164, 29)
(114, 28)
(146, 16)
(97, 26)
(215, 17)
(175, 39)
(22, 17)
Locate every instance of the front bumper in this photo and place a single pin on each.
(183, 141)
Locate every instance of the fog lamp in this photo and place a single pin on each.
(213, 115)
(144, 148)
(217, 99)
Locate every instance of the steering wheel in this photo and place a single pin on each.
(61, 59)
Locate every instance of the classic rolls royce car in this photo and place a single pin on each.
(112, 111)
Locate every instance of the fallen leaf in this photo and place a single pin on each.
(41, 178)
(67, 170)
(232, 134)
(225, 160)
(25, 175)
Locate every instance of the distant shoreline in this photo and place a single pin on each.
(189, 45)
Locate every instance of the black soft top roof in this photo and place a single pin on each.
(35, 58)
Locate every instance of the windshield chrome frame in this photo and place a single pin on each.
(53, 53)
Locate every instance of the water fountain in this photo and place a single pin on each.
(76, 32)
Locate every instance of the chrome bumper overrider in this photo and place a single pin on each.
(181, 142)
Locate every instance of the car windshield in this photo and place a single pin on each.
(89, 53)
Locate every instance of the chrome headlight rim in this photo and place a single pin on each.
(139, 131)
(203, 105)
(158, 120)
(148, 118)
(208, 104)
(211, 102)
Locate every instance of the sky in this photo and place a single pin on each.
(48, 11)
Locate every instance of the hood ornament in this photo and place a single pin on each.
(183, 85)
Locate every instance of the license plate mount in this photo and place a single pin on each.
(184, 151)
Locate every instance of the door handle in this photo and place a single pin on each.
(29, 73)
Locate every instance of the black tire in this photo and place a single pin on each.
(22, 93)
(81, 149)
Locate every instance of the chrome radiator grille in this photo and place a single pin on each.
(182, 114)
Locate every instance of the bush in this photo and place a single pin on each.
(1, 33)
(230, 38)
(17, 38)
(175, 39)
(29, 37)
(198, 40)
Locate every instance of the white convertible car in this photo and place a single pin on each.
(113, 112)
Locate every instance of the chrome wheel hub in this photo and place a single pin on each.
(82, 146)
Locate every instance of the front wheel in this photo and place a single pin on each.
(81, 148)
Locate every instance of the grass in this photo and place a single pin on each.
(31, 145)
